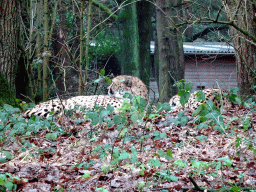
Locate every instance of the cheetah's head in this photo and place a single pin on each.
(123, 83)
(175, 102)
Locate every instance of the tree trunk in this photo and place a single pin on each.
(245, 48)
(46, 51)
(39, 44)
(144, 12)
(156, 60)
(170, 48)
(9, 29)
(81, 79)
(129, 39)
(88, 40)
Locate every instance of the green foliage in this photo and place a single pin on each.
(180, 164)
(83, 165)
(6, 181)
(199, 167)
(184, 90)
(158, 135)
(181, 119)
(102, 189)
(161, 107)
(131, 115)
(166, 175)
(200, 96)
(106, 44)
(6, 95)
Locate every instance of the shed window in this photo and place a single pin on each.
(200, 87)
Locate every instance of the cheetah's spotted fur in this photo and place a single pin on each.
(216, 95)
(117, 89)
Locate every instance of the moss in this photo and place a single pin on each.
(6, 94)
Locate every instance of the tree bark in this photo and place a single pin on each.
(9, 28)
(170, 47)
(88, 40)
(144, 12)
(46, 51)
(129, 39)
(245, 47)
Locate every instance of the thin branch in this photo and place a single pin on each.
(104, 8)
(230, 23)
(208, 30)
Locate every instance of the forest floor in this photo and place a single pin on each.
(166, 152)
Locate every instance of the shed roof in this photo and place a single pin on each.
(203, 48)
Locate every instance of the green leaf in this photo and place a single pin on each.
(124, 155)
(52, 136)
(134, 159)
(235, 189)
(246, 123)
(108, 80)
(108, 146)
(167, 106)
(110, 108)
(123, 132)
(8, 155)
(169, 152)
(218, 128)
(104, 113)
(200, 96)
(86, 175)
(171, 178)
(233, 90)
(133, 150)
(210, 104)
(225, 161)
(155, 163)
(2, 160)
(233, 97)
(102, 72)
(134, 117)
(184, 96)
(110, 124)
(117, 119)
(94, 139)
(141, 172)
(238, 142)
(92, 115)
(202, 138)
(124, 119)
(161, 153)
(202, 126)
(184, 121)
(120, 126)
(98, 80)
(197, 111)
(10, 186)
(188, 86)
(157, 135)
(95, 120)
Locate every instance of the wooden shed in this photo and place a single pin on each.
(208, 64)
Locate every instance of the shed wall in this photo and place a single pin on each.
(206, 70)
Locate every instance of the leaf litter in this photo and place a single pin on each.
(161, 156)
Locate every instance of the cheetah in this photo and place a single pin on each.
(218, 96)
(116, 90)
(124, 83)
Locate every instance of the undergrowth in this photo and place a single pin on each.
(137, 132)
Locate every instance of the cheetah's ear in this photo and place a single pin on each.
(128, 82)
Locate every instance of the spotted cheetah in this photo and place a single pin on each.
(124, 83)
(116, 90)
(218, 96)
